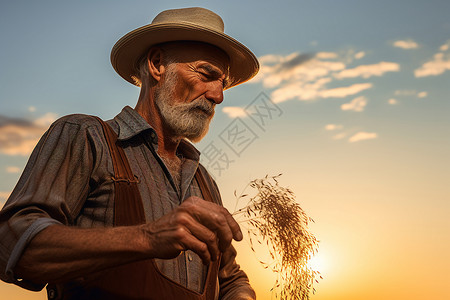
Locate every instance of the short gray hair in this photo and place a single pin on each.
(142, 71)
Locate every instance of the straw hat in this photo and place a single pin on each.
(186, 24)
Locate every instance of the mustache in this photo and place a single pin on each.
(203, 105)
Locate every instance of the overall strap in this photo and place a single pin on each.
(204, 188)
(209, 291)
(128, 207)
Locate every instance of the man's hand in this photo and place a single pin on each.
(198, 225)
(59, 253)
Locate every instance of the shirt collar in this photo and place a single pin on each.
(131, 123)
(188, 150)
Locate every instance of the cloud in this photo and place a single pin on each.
(12, 169)
(342, 92)
(308, 77)
(366, 71)
(360, 54)
(445, 47)
(310, 91)
(234, 111)
(356, 104)
(392, 101)
(19, 136)
(406, 44)
(438, 65)
(422, 94)
(333, 127)
(19, 140)
(361, 136)
(46, 120)
(295, 67)
(3, 197)
(326, 55)
(300, 90)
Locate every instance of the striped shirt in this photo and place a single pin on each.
(68, 180)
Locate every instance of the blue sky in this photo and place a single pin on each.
(362, 138)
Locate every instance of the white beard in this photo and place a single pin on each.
(184, 120)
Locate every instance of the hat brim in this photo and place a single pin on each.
(129, 49)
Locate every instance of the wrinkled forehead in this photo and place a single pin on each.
(189, 52)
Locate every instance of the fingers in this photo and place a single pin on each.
(235, 228)
(198, 225)
(216, 218)
(173, 233)
(208, 250)
(200, 248)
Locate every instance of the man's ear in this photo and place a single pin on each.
(155, 66)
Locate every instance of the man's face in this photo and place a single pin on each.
(190, 89)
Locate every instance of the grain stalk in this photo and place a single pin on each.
(275, 219)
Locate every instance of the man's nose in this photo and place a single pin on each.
(215, 93)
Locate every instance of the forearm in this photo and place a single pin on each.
(59, 253)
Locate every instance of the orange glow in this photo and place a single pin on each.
(318, 263)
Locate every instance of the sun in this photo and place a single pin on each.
(318, 263)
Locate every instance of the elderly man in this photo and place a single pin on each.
(122, 209)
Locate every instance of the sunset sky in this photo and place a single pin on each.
(354, 111)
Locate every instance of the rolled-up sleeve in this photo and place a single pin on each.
(51, 190)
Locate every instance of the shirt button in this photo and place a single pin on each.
(190, 258)
(153, 136)
(51, 293)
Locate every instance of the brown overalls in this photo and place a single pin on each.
(142, 279)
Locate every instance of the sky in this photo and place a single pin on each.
(350, 105)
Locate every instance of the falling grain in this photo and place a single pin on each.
(282, 225)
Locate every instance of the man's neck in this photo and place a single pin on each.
(167, 142)
(167, 145)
